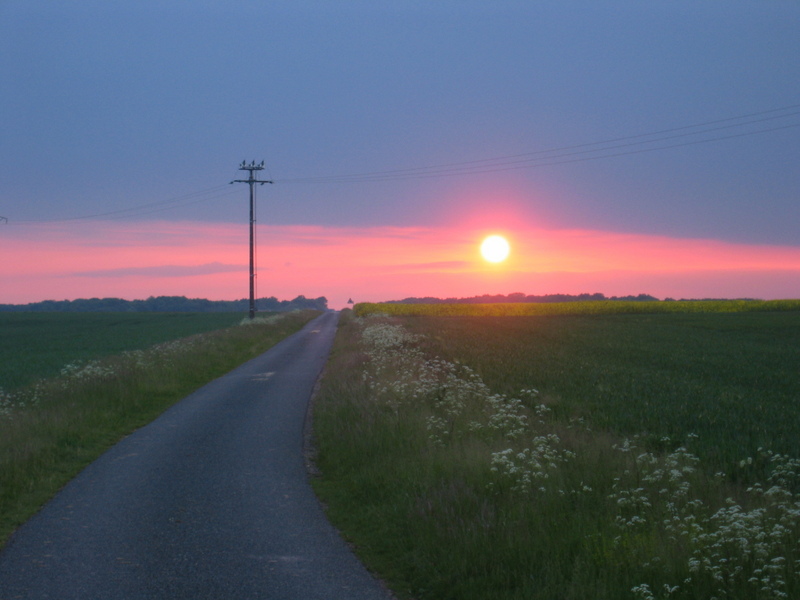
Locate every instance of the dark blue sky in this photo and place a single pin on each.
(107, 106)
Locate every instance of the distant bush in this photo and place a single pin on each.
(168, 304)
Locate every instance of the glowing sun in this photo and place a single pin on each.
(495, 248)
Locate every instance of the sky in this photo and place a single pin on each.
(622, 147)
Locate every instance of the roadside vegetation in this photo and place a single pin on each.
(51, 428)
(642, 456)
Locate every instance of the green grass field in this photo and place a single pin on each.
(731, 378)
(35, 345)
(641, 456)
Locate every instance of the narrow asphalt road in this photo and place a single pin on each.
(210, 501)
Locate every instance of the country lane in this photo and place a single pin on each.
(209, 501)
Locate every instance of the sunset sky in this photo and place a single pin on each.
(621, 147)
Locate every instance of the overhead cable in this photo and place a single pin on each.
(140, 210)
(639, 143)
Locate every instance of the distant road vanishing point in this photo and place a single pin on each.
(209, 501)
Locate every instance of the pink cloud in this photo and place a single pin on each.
(137, 260)
(165, 271)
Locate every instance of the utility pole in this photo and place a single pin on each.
(252, 167)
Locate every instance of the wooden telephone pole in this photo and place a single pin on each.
(252, 167)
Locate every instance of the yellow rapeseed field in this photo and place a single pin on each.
(521, 309)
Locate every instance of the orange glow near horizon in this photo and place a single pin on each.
(137, 260)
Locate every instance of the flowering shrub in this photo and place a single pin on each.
(262, 319)
(661, 482)
(20, 400)
(400, 373)
(529, 469)
(732, 550)
(6, 403)
(92, 370)
(97, 371)
(754, 549)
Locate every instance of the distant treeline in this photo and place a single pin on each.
(518, 297)
(167, 304)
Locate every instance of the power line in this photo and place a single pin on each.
(517, 165)
(554, 156)
(188, 199)
(699, 133)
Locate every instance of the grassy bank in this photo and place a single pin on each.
(461, 471)
(51, 429)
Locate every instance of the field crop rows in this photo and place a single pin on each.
(618, 456)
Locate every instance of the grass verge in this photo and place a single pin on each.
(450, 489)
(50, 430)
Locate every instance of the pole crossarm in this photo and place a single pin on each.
(253, 166)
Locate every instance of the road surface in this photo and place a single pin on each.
(210, 501)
